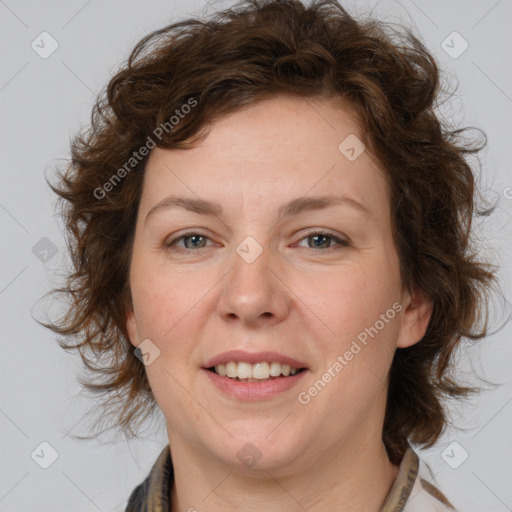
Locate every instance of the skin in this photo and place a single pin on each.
(296, 298)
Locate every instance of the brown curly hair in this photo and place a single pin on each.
(239, 57)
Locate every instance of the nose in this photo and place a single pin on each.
(254, 293)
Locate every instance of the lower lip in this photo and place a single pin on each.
(254, 390)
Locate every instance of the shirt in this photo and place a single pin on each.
(412, 490)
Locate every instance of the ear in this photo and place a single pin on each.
(131, 327)
(417, 311)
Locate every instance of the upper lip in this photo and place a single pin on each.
(253, 358)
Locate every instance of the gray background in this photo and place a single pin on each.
(44, 101)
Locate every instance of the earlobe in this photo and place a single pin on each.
(131, 328)
(417, 311)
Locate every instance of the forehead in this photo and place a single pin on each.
(282, 148)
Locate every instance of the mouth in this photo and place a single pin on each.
(254, 376)
(263, 371)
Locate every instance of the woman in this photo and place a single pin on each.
(271, 236)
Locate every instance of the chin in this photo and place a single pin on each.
(254, 453)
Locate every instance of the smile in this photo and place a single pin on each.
(247, 372)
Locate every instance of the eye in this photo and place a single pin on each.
(194, 241)
(322, 240)
(191, 240)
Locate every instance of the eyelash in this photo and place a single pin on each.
(341, 243)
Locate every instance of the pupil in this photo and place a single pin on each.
(316, 237)
(194, 237)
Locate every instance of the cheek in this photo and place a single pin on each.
(161, 297)
(152, 307)
(357, 306)
(358, 349)
(352, 299)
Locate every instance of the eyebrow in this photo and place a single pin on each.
(293, 207)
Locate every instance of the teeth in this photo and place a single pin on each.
(231, 369)
(244, 371)
(275, 369)
(254, 372)
(259, 370)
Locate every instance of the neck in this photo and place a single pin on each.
(341, 479)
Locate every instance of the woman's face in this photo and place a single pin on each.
(271, 239)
